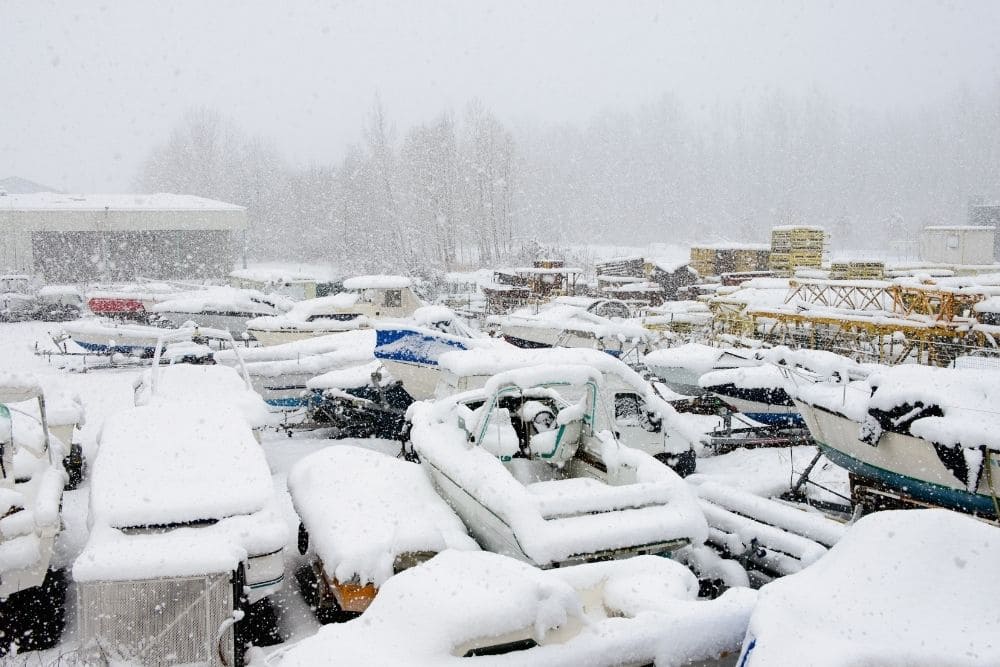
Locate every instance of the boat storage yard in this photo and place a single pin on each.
(201, 473)
(523, 334)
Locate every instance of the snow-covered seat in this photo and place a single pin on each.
(559, 445)
(577, 496)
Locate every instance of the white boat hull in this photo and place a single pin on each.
(898, 461)
(234, 323)
(269, 337)
(419, 380)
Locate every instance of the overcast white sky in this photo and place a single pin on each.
(87, 88)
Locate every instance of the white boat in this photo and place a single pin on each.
(480, 608)
(107, 337)
(32, 479)
(410, 351)
(575, 322)
(927, 434)
(226, 308)
(364, 299)
(279, 373)
(365, 517)
(526, 466)
(630, 406)
(755, 391)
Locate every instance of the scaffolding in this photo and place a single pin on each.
(869, 321)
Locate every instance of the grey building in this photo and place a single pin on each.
(65, 238)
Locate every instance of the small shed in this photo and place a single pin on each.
(958, 244)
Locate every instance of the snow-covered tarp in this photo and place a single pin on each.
(913, 587)
(364, 509)
(638, 611)
(213, 386)
(224, 300)
(176, 463)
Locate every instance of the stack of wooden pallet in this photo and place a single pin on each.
(796, 247)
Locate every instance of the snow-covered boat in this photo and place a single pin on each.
(755, 391)
(362, 401)
(524, 464)
(575, 322)
(479, 608)
(32, 479)
(681, 367)
(58, 303)
(364, 299)
(365, 517)
(280, 373)
(629, 405)
(132, 301)
(184, 522)
(930, 435)
(107, 337)
(928, 576)
(224, 308)
(410, 351)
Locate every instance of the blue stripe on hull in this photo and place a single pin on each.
(917, 489)
(108, 349)
(290, 402)
(777, 418)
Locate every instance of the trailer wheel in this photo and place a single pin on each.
(34, 619)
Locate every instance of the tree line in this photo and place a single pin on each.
(468, 190)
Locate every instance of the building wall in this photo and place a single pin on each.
(957, 245)
(85, 245)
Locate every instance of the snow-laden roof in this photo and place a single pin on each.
(224, 300)
(697, 357)
(363, 509)
(214, 386)
(169, 464)
(377, 282)
(960, 228)
(646, 611)
(52, 201)
(901, 587)
(273, 275)
(990, 305)
(572, 318)
(764, 376)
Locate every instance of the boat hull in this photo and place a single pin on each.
(235, 323)
(411, 356)
(280, 336)
(899, 462)
(765, 413)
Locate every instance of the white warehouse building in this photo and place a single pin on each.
(958, 244)
(65, 238)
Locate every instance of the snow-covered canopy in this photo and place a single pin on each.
(363, 509)
(168, 464)
(377, 282)
(912, 587)
(698, 358)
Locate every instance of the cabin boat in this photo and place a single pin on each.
(924, 434)
(681, 367)
(575, 322)
(225, 308)
(364, 300)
